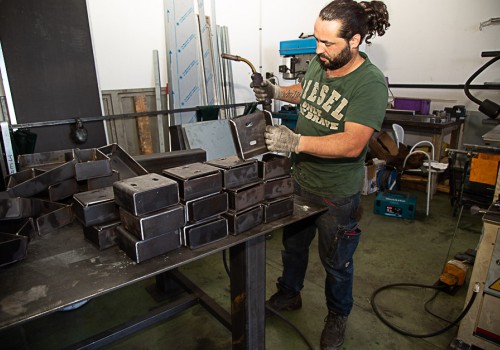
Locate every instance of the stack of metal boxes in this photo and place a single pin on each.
(245, 192)
(96, 170)
(200, 190)
(151, 216)
(274, 170)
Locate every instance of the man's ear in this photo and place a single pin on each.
(355, 41)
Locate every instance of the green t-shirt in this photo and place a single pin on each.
(325, 105)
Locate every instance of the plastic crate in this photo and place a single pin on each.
(420, 106)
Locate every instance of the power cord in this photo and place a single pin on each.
(288, 322)
(404, 332)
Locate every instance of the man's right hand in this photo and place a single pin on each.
(266, 89)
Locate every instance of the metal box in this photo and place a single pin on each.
(248, 133)
(278, 187)
(206, 207)
(153, 224)
(196, 180)
(91, 163)
(96, 207)
(277, 208)
(146, 193)
(274, 165)
(203, 233)
(103, 236)
(239, 222)
(245, 196)
(235, 171)
(142, 250)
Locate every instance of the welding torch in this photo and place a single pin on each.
(257, 78)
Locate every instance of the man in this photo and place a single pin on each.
(342, 100)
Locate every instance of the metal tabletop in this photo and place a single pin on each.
(62, 268)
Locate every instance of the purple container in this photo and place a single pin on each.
(413, 104)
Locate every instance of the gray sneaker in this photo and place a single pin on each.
(332, 336)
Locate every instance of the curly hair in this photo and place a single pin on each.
(367, 18)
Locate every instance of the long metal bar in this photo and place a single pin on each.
(221, 314)
(128, 328)
(447, 86)
(159, 117)
(118, 116)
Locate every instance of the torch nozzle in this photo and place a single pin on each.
(239, 59)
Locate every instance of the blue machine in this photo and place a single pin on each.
(296, 57)
(397, 204)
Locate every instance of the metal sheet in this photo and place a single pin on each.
(214, 136)
(202, 233)
(141, 250)
(277, 208)
(146, 193)
(239, 222)
(274, 165)
(236, 171)
(245, 196)
(196, 180)
(248, 132)
(154, 224)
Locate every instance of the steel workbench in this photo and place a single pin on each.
(62, 268)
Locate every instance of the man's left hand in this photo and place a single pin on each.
(281, 139)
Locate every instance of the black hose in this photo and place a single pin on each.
(473, 76)
(403, 332)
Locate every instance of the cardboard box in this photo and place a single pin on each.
(372, 168)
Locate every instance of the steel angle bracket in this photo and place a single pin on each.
(122, 162)
(248, 132)
(50, 216)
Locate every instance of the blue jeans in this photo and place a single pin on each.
(338, 235)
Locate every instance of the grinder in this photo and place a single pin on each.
(257, 78)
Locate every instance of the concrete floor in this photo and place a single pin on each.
(391, 251)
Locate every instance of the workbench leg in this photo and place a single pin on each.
(248, 289)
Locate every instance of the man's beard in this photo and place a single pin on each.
(338, 61)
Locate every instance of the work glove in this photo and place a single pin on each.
(266, 89)
(281, 139)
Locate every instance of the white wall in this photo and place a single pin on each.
(429, 41)
(124, 35)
